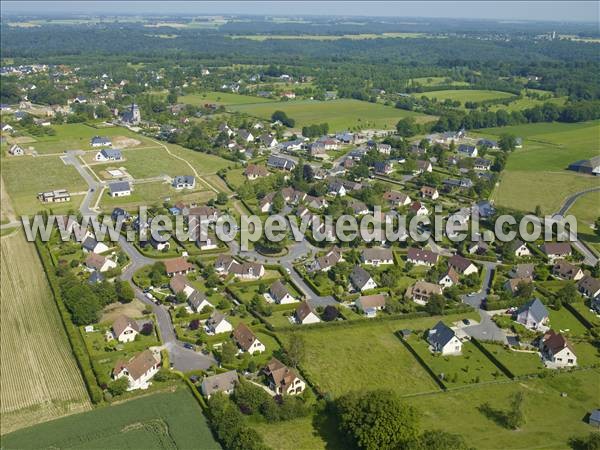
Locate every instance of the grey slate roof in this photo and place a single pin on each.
(219, 383)
(89, 243)
(359, 277)
(440, 335)
(119, 186)
(536, 308)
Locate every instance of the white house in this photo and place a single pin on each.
(282, 379)
(198, 302)
(462, 265)
(99, 141)
(222, 382)
(533, 315)
(377, 256)
(16, 150)
(361, 280)
(442, 339)
(91, 245)
(108, 154)
(125, 329)
(139, 370)
(184, 182)
(556, 351)
(247, 340)
(370, 304)
(280, 294)
(449, 279)
(519, 248)
(217, 324)
(305, 315)
(98, 262)
(119, 189)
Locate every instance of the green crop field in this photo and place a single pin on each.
(77, 136)
(437, 81)
(204, 163)
(164, 420)
(465, 95)
(221, 98)
(342, 114)
(550, 419)
(539, 168)
(40, 380)
(25, 176)
(342, 359)
(527, 102)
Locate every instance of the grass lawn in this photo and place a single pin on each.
(470, 367)
(465, 95)
(437, 81)
(152, 193)
(539, 168)
(163, 420)
(342, 114)
(584, 310)
(340, 359)
(550, 420)
(24, 177)
(587, 209)
(313, 432)
(236, 177)
(564, 320)
(145, 163)
(221, 98)
(519, 363)
(77, 136)
(204, 163)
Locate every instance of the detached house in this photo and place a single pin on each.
(125, 329)
(396, 198)
(109, 154)
(361, 279)
(99, 263)
(421, 257)
(566, 271)
(418, 209)
(119, 189)
(282, 379)
(91, 245)
(139, 370)
(519, 248)
(327, 261)
(99, 141)
(217, 324)
(429, 192)
(554, 250)
(442, 339)
(254, 171)
(280, 294)
(421, 292)
(422, 166)
(556, 351)
(177, 266)
(16, 150)
(377, 256)
(184, 182)
(305, 315)
(449, 279)
(370, 304)
(468, 150)
(589, 286)
(247, 340)
(533, 315)
(222, 382)
(281, 163)
(462, 265)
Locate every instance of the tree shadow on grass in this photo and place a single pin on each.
(497, 416)
(326, 424)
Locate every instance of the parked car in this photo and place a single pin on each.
(188, 346)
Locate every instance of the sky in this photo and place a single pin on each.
(577, 11)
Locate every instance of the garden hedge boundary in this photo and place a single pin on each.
(493, 359)
(78, 347)
(422, 362)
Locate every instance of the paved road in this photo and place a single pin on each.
(486, 329)
(572, 199)
(181, 358)
(297, 250)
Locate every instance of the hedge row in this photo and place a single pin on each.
(77, 344)
(492, 358)
(422, 362)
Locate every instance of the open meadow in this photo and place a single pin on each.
(465, 95)
(165, 420)
(536, 174)
(40, 380)
(220, 98)
(25, 176)
(77, 136)
(550, 419)
(345, 358)
(587, 210)
(342, 114)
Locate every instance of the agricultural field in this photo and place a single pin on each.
(345, 358)
(539, 168)
(40, 380)
(550, 419)
(221, 98)
(23, 181)
(158, 421)
(437, 81)
(342, 114)
(465, 95)
(204, 163)
(527, 102)
(77, 136)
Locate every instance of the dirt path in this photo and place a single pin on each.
(6, 209)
